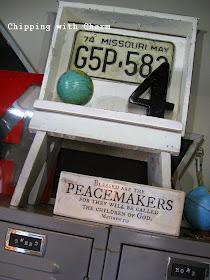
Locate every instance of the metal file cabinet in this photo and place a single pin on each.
(73, 250)
(137, 255)
(79, 250)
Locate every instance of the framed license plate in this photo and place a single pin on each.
(118, 57)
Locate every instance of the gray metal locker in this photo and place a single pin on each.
(137, 255)
(75, 250)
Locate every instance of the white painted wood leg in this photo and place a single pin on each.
(33, 165)
(159, 169)
(31, 169)
(38, 188)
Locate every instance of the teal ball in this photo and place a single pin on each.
(197, 208)
(75, 87)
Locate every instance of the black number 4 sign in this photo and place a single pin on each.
(158, 82)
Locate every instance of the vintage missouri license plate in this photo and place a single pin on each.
(118, 57)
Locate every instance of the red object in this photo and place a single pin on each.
(14, 135)
(13, 85)
(6, 169)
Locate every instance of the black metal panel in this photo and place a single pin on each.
(101, 166)
(8, 59)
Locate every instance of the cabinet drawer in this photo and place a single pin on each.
(146, 264)
(65, 257)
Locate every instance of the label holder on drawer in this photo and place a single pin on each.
(25, 242)
(182, 269)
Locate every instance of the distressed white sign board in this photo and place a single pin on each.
(119, 203)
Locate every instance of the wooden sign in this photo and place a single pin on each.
(119, 203)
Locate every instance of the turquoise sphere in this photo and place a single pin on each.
(197, 208)
(75, 87)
